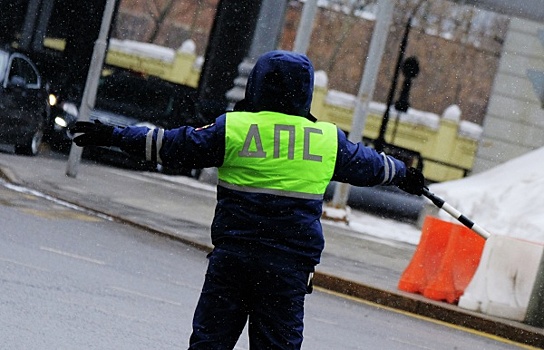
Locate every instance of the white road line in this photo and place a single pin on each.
(322, 320)
(411, 344)
(23, 264)
(75, 256)
(146, 296)
(185, 285)
(35, 193)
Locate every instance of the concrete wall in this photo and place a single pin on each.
(440, 139)
(180, 66)
(514, 123)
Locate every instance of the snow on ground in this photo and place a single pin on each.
(505, 200)
(359, 222)
(385, 228)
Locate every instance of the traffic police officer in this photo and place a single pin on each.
(275, 162)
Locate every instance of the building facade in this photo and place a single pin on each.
(514, 122)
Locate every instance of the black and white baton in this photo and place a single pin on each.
(440, 203)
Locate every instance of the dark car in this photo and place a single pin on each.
(126, 98)
(24, 107)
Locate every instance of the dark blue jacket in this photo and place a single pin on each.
(281, 229)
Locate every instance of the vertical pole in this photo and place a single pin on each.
(29, 25)
(368, 84)
(266, 37)
(230, 38)
(305, 26)
(268, 28)
(44, 15)
(91, 86)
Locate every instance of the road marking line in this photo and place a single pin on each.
(322, 320)
(61, 214)
(25, 265)
(411, 344)
(185, 285)
(119, 289)
(75, 256)
(35, 193)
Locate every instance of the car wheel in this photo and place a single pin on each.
(32, 146)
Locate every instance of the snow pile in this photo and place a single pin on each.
(321, 79)
(340, 99)
(414, 116)
(143, 49)
(188, 46)
(417, 117)
(150, 50)
(470, 130)
(506, 200)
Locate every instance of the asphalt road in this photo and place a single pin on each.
(71, 280)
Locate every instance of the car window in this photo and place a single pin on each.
(134, 97)
(4, 57)
(21, 67)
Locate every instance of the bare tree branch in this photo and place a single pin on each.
(159, 18)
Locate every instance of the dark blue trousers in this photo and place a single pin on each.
(239, 289)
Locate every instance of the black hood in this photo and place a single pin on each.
(280, 81)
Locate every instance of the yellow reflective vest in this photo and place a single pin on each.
(270, 152)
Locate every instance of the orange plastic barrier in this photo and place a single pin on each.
(444, 262)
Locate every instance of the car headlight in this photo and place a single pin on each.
(52, 99)
(63, 120)
(60, 121)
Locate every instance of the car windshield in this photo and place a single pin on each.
(133, 97)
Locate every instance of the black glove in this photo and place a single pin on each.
(95, 134)
(413, 182)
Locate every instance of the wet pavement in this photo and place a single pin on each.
(181, 208)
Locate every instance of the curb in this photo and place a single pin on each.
(416, 304)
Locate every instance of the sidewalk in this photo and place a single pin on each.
(352, 263)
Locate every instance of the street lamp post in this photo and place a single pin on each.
(91, 85)
(366, 89)
(304, 31)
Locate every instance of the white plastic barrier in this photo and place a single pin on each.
(504, 279)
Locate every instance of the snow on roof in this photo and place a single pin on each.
(199, 61)
(321, 79)
(143, 49)
(506, 200)
(414, 116)
(188, 46)
(452, 113)
(470, 130)
(151, 50)
(340, 99)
